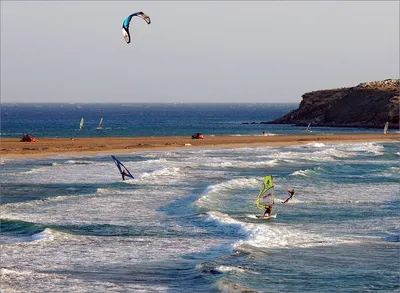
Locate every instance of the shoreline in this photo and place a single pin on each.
(13, 148)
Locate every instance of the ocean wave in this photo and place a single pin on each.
(366, 149)
(169, 171)
(319, 156)
(223, 218)
(301, 173)
(48, 234)
(395, 169)
(240, 270)
(311, 145)
(333, 152)
(6, 209)
(241, 164)
(216, 193)
(153, 161)
(78, 162)
(31, 171)
(318, 144)
(306, 173)
(227, 287)
(15, 272)
(270, 235)
(278, 236)
(220, 165)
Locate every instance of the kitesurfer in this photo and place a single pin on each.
(268, 210)
(291, 194)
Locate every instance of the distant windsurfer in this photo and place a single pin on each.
(291, 194)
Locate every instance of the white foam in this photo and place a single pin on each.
(240, 270)
(271, 235)
(243, 164)
(366, 149)
(47, 234)
(279, 236)
(219, 192)
(268, 134)
(301, 173)
(173, 172)
(79, 162)
(314, 156)
(30, 280)
(318, 144)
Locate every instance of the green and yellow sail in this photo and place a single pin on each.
(267, 193)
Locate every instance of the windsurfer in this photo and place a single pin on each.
(123, 173)
(291, 194)
(268, 210)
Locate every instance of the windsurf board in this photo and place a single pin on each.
(267, 218)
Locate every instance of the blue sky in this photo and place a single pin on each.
(193, 51)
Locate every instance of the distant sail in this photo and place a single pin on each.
(308, 127)
(385, 129)
(122, 168)
(81, 125)
(267, 193)
(100, 124)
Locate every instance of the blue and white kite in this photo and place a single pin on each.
(125, 25)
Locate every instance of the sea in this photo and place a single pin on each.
(187, 221)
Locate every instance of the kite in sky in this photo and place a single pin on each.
(125, 25)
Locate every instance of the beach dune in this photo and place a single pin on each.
(12, 147)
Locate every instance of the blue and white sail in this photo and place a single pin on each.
(100, 124)
(82, 124)
(122, 169)
(385, 129)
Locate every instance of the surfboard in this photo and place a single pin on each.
(267, 218)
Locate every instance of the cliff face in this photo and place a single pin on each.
(369, 104)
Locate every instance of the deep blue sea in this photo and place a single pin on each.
(187, 222)
(62, 120)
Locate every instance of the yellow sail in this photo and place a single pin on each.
(267, 193)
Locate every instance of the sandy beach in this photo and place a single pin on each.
(12, 147)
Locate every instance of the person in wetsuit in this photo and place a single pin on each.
(291, 194)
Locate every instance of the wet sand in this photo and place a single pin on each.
(12, 147)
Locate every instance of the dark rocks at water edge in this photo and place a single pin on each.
(369, 104)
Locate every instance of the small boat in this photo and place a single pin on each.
(81, 125)
(100, 124)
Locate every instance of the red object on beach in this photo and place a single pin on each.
(27, 138)
(198, 135)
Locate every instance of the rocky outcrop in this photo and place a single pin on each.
(369, 104)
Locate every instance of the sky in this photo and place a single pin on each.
(193, 51)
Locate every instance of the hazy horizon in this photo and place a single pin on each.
(193, 52)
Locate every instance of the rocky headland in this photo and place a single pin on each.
(369, 104)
